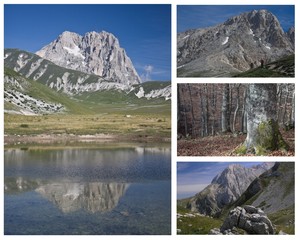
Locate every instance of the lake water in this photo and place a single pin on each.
(124, 190)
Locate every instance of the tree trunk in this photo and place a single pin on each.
(237, 106)
(225, 122)
(213, 104)
(263, 133)
(192, 111)
(244, 114)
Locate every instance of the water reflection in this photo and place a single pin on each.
(91, 197)
(71, 191)
(69, 197)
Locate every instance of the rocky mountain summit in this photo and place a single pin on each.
(237, 45)
(93, 53)
(225, 188)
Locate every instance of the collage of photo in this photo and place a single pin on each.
(172, 119)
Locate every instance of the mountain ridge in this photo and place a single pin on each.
(225, 188)
(234, 46)
(74, 82)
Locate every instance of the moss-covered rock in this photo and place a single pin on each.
(269, 138)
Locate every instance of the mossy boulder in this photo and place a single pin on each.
(267, 138)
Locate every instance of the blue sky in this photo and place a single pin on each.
(192, 177)
(191, 17)
(144, 31)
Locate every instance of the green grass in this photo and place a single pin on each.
(105, 112)
(197, 224)
(260, 72)
(118, 124)
(273, 69)
(284, 220)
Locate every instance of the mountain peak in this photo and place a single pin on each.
(93, 53)
(237, 45)
(225, 188)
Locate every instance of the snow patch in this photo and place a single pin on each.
(181, 66)
(185, 37)
(225, 41)
(74, 51)
(251, 32)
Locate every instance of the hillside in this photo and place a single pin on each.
(284, 67)
(271, 194)
(33, 109)
(232, 47)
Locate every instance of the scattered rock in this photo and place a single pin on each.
(215, 231)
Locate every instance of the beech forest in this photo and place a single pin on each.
(235, 119)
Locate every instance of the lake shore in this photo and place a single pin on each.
(88, 138)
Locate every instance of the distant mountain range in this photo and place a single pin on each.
(235, 46)
(73, 65)
(268, 186)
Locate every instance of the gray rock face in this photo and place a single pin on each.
(233, 46)
(92, 197)
(93, 53)
(291, 35)
(252, 220)
(274, 190)
(225, 188)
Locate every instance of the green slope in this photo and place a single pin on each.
(284, 67)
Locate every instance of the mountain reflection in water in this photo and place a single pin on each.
(105, 190)
(91, 197)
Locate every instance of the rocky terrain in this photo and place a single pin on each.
(235, 46)
(26, 71)
(20, 99)
(248, 218)
(276, 183)
(266, 206)
(93, 53)
(225, 188)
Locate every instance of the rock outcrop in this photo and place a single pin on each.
(252, 220)
(93, 53)
(234, 46)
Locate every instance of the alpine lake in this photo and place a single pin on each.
(88, 189)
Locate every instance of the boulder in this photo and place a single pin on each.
(249, 218)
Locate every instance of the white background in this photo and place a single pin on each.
(174, 114)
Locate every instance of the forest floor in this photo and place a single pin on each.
(224, 145)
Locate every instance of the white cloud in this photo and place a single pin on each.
(146, 76)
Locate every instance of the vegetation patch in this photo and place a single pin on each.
(284, 220)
